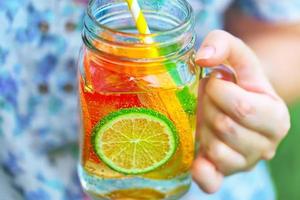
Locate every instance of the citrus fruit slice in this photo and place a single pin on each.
(135, 140)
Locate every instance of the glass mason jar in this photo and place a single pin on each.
(138, 99)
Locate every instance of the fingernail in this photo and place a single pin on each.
(205, 53)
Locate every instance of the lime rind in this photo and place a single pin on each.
(187, 100)
(131, 113)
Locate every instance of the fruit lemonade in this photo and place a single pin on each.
(138, 119)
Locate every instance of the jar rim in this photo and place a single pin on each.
(185, 22)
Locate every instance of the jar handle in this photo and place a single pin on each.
(223, 71)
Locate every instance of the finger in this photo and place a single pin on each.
(220, 46)
(222, 74)
(254, 111)
(226, 160)
(201, 93)
(250, 144)
(206, 175)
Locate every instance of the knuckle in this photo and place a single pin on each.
(224, 35)
(242, 109)
(239, 41)
(224, 160)
(223, 124)
(284, 123)
(216, 153)
(268, 155)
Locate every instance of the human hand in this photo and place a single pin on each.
(238, 124)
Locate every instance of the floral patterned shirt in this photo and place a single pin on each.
(39, 45)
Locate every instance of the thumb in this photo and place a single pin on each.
(220, 47)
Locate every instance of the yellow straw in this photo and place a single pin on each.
(143, 28)
(138, 16)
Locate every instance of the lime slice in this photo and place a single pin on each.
(135, 140)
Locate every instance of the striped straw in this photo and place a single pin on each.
(140, 20)
(138, 16)
(143, 28)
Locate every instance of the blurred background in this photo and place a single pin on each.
(285, 167)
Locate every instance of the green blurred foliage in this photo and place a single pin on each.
(285, 167)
